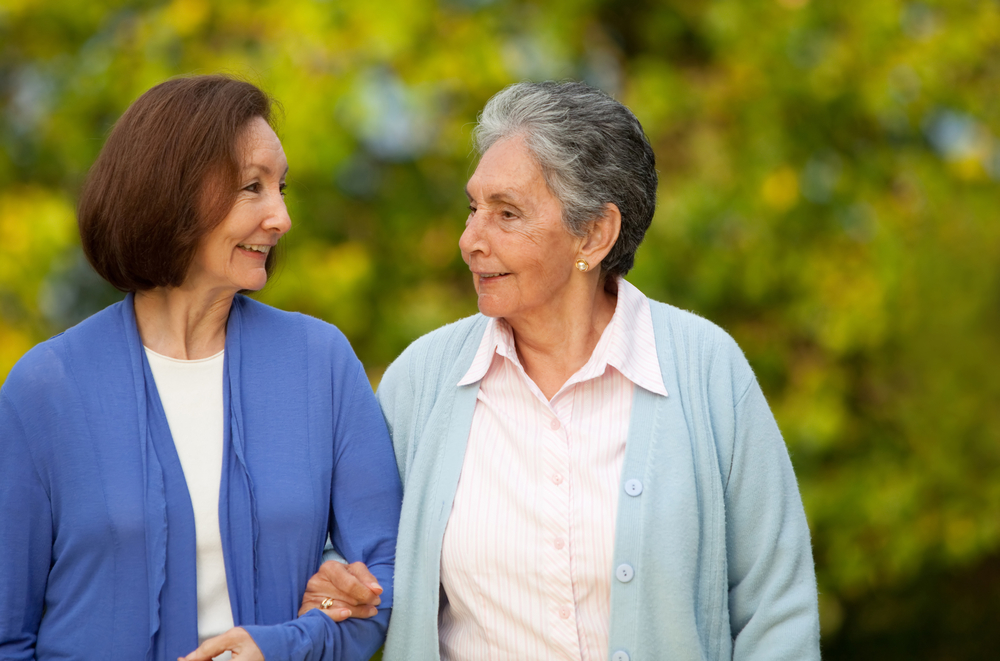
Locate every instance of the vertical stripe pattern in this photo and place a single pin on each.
(526, 562)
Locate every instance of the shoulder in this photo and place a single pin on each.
(296, 349)
(275, 324)
(687, 325)
(44, 367)
(39, 371)
(440, 354)
(693, 344)
(451, 338)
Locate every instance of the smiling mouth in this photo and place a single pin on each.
(484, 276)
(255, 247)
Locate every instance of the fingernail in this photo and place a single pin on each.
(376, 588)
(345, 613)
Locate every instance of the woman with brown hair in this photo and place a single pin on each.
(173, 466)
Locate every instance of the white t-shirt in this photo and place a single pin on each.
(191, 394)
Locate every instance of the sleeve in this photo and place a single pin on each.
(366, 498)
(395, 397)
(25, 539)
(773, 605)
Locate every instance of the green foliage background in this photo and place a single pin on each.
(828, 194)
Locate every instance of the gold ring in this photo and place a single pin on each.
(326, 603)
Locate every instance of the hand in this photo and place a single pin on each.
(236, 640)
(353, 589)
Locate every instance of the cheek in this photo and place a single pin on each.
(550, 274)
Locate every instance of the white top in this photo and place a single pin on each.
(191, 394)
(527, 553)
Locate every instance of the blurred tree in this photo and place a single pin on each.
(829, 174)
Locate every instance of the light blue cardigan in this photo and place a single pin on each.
(717, 539)
(97, 539)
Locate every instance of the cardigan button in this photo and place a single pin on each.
(633, 487)
(620, 655)
(624, 573)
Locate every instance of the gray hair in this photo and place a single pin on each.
(591, 150)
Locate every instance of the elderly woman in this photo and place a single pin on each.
(174, 465)
(588, 474)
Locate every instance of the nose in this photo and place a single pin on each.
(472, 237)
(278, 219)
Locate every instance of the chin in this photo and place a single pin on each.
(488, 313)
(255, 285)
(253, 282)
(492, 308)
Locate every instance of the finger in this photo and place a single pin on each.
(244, 647)
(340, 582)
(362, 590)
(332, 607)
(338, 611)
(319, 588)
(360, 571)
(361, 611)
(334, 578)
(210, 649)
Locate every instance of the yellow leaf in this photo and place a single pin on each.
(780, 189)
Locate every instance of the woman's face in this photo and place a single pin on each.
(515, 243)
(231, 257)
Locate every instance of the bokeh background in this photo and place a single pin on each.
(829, 195)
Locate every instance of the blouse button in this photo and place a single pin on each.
(624, 573)
(554, 424)
(564, 612)
(557, 478)
(558, 544)
(633, 487)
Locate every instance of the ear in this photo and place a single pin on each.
(602, 235)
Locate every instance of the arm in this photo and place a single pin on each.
(365, 499)
(25, 539)
(396, 399)
(772, 582)
(350, 585)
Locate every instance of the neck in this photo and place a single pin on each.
(553, 344)
(181, 323)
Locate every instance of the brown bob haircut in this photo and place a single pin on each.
(167, 176)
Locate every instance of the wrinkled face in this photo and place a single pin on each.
(232, 256)
(519, 251)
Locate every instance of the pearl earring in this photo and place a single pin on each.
(582, 265)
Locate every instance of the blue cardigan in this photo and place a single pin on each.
(97, 534)
(715, 535)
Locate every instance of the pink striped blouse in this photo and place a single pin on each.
(526, 563)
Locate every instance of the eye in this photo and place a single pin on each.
(252, 187)
(282, 188)
(472, 209)
(508, 214)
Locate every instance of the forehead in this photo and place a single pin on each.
(260, 146)
(507, 166)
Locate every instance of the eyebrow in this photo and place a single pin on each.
(506, 195)
(265, 169)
